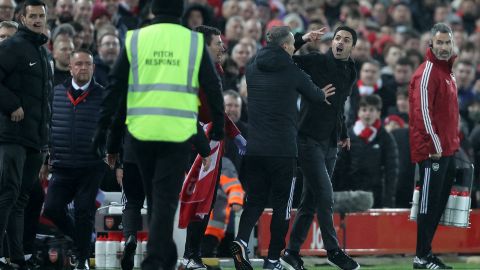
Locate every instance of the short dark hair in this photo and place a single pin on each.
(34, 3)
(404, 61)
(348, 29)
(442, 28)
(278, 35)
(389, 46)
(468, 46)
(81, 50)
(208, 32)
(371, 100)
(231, 93)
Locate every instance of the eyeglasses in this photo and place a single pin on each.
(9, 8)
(110, 44)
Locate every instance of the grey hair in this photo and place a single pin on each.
(9, 24)
(278, 35)
(442, 28)
(232, 93)
(63, 28)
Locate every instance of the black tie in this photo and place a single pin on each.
(77, 93)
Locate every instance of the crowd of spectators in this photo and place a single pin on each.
(392, 40)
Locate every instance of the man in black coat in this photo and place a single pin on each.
(274, 82)
(76, 170)
(320, 129)
(25, 81)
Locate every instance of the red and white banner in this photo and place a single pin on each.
(199, 186)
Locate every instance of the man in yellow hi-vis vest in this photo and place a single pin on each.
(159, 72)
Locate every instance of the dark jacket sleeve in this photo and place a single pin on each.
(201, 142)
(308, 89)
(212, 86)
(299, 42)
(343, 132)
(390, 157)
(341, 172)
(116, 90)
(117, 129)
(9, 102)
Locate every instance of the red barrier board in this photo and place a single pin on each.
(380, 231)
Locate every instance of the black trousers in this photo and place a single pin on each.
(162, 166)
(275, 177)
(196, 229)
(436, 179)
(133, 189)
(80, 185)
(32, 215)
(317, 161)
(19, 168)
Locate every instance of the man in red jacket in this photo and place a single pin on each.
(434, 138)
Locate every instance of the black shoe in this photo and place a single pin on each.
(268, 265)
(195, 263)
(292, 262)
(239, 255)
(430, 262)
(129, 253)
(339, 259)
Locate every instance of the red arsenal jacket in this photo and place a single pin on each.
(433, 116)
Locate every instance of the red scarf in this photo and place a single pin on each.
(367, 134)
(365, 89)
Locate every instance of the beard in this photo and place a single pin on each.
(65, 18)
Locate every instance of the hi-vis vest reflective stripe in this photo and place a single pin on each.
(162, 102)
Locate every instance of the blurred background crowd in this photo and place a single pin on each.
(393, 38)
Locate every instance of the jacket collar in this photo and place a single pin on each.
(443, 64)
(68, 83)
(35, 38)
(350, 62)
(332, 57)
(166, 19)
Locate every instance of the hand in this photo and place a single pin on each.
(241, 144)
(17, 115)
(314, 35)
(119, 176)
(44, 171)
(111, 160)
(345, 143)
(206, 162)
(435, 156)
(328, 90)
(476, 87)
(98, 142)
(236, 207)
